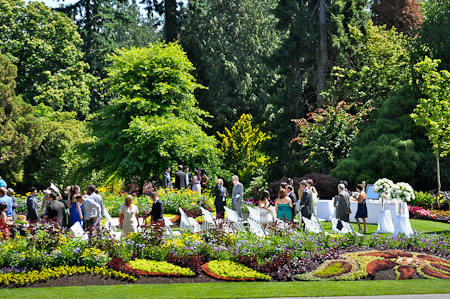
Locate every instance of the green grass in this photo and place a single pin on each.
(238, 290)
(425, 226)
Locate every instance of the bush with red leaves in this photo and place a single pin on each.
(191, 261)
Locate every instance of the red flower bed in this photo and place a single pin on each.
(441, 267)
(406, 272)
(434, 273)
(400, 253)
(210, 273)
(433, 259)
(379, 265)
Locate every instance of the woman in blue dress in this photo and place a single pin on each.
(76, 213)
(283, 206)
(362, 207)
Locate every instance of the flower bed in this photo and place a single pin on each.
(353, 266)
(433, 215)
(154, 268)
(227, 270)
(29, 277)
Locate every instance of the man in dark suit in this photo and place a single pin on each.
(56, 210)
(180, 178)
(306, 200)
(343, 204)
(220, 200)
(157, 212)
(32, 211)
(167, 180)
(293, 198)
(237, 195)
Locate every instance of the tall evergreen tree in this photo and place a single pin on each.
(230, 43)
(170, 11)
(20, 132)
(297, 61)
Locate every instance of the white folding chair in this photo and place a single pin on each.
(168, 230)
(208, 219)
(78, 231)
(188, 223)
(255, 215)
(110, 227)
(347, 228)
(233, 218)
(256, 228)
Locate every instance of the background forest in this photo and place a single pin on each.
(107, 90)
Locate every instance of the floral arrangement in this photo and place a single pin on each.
(228, 270)
(25, 278)
(402, 191)
(383, 186)
(154, 268)
(357, 265)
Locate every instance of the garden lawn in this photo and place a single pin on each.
(238, 290)
(425, 226)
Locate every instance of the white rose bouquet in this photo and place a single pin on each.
(383, 186)
(402, 191)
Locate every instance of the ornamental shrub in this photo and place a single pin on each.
(94, 257)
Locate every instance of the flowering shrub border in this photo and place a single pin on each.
(30, 277)
(231, 271)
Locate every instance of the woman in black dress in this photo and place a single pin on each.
(362, 207)
(203, 179)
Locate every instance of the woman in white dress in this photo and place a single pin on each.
(265, 212)
(315, 195)
(129, 216)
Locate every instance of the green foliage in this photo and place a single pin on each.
(330, 133)
(422, 199)
(43, 44)
(380, 65)
(434, 31)
(154, 121)
(388, 145)
(229, 269)
(295, 61)
(106, 25)
(241, 148)
(230, 52)
(20, 131)
(56, 160)
(94, 257)
(160, 268)
(433, 112)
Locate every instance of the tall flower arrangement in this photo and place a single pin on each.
(402, 191)
(383, 186)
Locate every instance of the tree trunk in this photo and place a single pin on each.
(322, 57)
(438, 173)
(170, 13)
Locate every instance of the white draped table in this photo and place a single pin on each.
(326, 210)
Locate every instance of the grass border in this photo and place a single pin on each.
(239, 289)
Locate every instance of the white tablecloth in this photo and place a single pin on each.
(325, 209)
(373, 211)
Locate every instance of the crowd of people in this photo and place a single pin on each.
(87, 209)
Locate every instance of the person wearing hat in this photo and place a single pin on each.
(2, 183)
